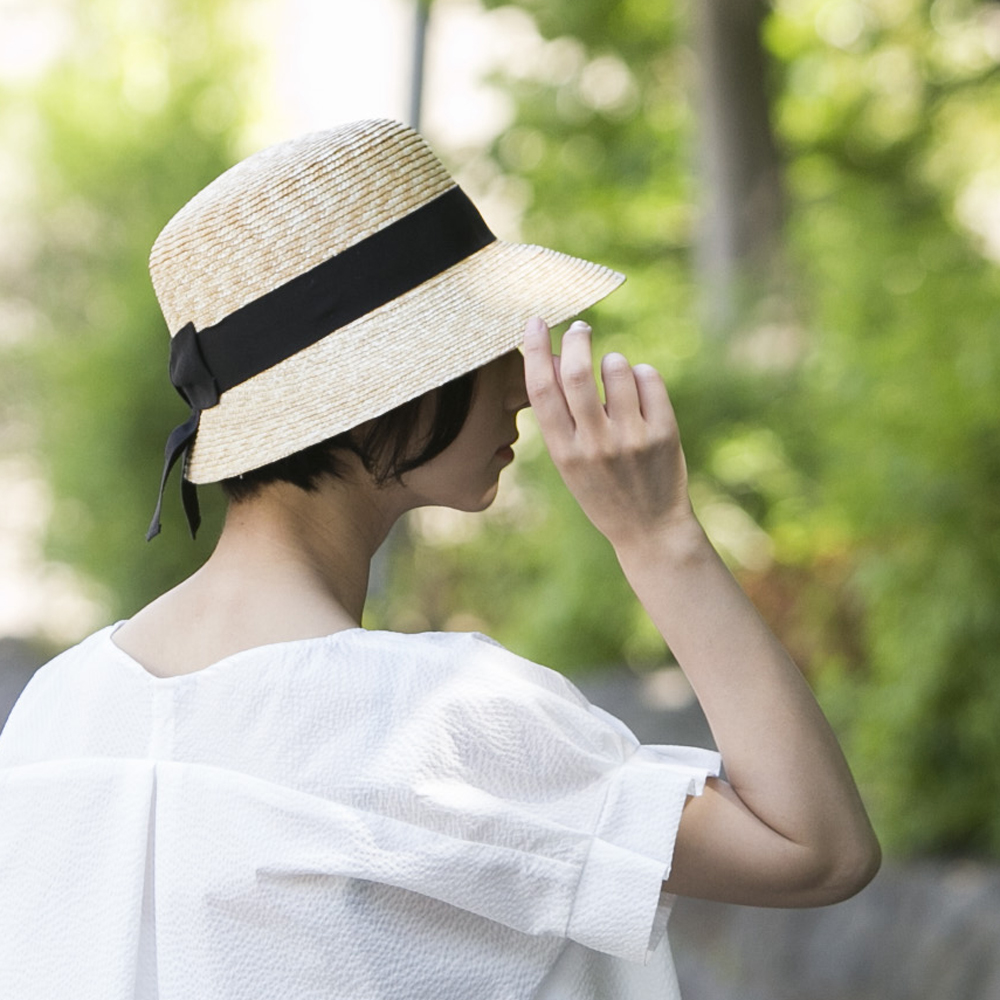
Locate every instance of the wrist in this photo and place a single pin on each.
(679, 542)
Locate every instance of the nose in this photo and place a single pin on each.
(517, 393)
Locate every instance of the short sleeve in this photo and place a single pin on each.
(527, 751)
(620, 892)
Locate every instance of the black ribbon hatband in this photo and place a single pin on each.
(264, 332)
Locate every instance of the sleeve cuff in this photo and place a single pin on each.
(619, 907)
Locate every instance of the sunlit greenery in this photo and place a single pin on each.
(120, 128)
(843, 435)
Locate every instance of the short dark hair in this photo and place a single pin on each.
(385, 445)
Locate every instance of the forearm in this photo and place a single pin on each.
(781, 757)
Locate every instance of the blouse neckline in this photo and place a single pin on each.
(221, 664)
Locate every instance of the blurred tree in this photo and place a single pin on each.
(742, 198)
(843, 438)
(138, 110)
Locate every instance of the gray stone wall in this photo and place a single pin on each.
(926, 931)
(18, 661)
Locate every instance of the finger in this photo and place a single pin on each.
(620, 391)
(576, 367)
(654, 401)
(556, 360)
(542, 383)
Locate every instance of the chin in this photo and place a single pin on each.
(475, 504)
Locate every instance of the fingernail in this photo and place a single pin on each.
(578, 324)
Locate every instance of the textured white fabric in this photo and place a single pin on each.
(366, 816)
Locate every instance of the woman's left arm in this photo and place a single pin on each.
(788, 827)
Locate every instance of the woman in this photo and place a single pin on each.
(240, 792)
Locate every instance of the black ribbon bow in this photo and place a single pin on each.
(193, 379)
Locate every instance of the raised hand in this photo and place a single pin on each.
(621, 459)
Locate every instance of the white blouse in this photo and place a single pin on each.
(363, 816)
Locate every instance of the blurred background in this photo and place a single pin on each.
(805, 195)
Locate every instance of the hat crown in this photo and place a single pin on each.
(285, 210)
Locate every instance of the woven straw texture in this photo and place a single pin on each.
(293, 206)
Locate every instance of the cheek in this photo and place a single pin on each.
(468, 478)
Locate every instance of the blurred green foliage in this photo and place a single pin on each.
(844, 436)
(902, 385)
(136, 113)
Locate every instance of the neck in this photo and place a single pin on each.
(306, 553)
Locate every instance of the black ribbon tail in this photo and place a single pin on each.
(177, 445)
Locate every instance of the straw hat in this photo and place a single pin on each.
(326, 280)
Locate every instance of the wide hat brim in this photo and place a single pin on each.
(453, 323)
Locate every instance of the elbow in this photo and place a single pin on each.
(865, 865)
(845, 870)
